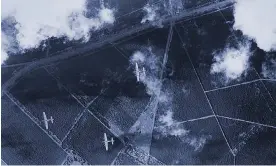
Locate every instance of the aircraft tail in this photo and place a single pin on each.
(51, 119)
(112, 140)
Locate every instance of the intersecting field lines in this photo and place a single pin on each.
(84, 107)
(214, 114)
(207, 98)
(90, 46)
(148, 117)
(79, 115)
(235, 119)
(248, 82)
(244, 83)
(226, 117)
(74, 124)
(237, 40)
(76, 119)
(92, 101)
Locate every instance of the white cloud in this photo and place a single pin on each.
(4, 56)
(256, 19)
(106, 16)
(178, 132)
(166, 125)
(164, 97)
(138, 56)
(151, 13)
(170, 127)
(167, 118)
(232, 62)
(4, 46)
(197, 142)
(39, 20)
(150, 62)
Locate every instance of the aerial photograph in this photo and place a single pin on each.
(138, 82)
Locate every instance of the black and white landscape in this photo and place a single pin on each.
(169, 82)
